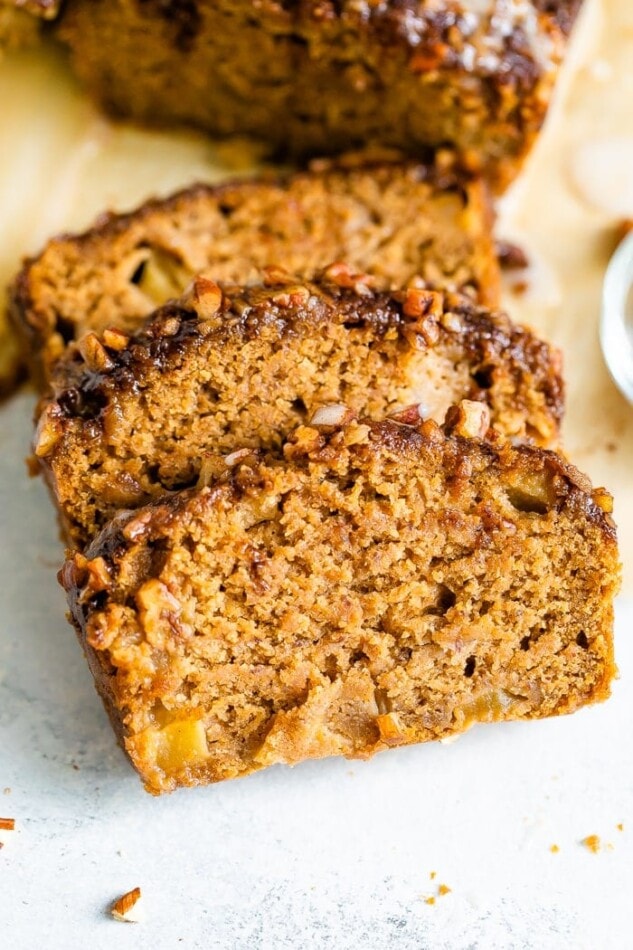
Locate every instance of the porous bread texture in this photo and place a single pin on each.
(376, 585)
(132, 418)
(316, 76)
(392, 219)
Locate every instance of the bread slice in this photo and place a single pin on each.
(321, 76)
(395, 221)
(130, 418)
(378, 585)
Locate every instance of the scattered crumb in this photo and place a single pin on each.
(620, 826)
(75, 766)
(32, 466)
(449, 740)
(442, 890)
(609, 846)
(592, 843)
(7, 824)
(123, 908)
(520, 287)
(7, 791)
(554, 848)
(511, 256)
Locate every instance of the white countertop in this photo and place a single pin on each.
(331, 854)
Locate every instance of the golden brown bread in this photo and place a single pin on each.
(373, 585)
(130, 418)
(391, 219)
(316, 76)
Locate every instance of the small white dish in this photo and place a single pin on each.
(616, 324)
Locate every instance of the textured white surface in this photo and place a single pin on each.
(331, 854)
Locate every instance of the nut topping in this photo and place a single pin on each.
(274, 276)
(391, 729)
(471, 420)
(334, 415)
(95, 354)
(343, 275)
(421, 303)
(115, 339)
(234, 458)
(207, 297)
(48, 433)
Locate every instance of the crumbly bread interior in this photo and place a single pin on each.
(397, 221)
(132, 418)
(318, 76)
(378, 585)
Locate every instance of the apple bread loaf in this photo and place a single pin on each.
(393, 220)
(132, 417)
(374, 585)
(316, 76)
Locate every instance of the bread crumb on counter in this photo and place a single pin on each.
(592, 843)
(124, 909)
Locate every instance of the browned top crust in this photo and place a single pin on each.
(474, 74)
(392, 219)
(375, 584)
(390, 19)
(132, 417)
(83, 383)
(506, 39)
(453, 34)
(537, 480)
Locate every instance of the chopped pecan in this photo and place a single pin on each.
(95, 354)
(333, 415)
(49, 431)
(471, 420)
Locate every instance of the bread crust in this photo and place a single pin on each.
(525, 633)
(403, 73)
(394, 219)
(131, 418)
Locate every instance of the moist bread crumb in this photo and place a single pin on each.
(316, 76)
(233, 369)
(374, 585)
(391, 219)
